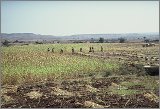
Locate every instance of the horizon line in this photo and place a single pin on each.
(81, 33)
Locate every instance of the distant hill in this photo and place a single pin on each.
(38, 37)
(26, 37)
(128, 36)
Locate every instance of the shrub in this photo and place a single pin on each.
(5, 43)
(136, 69)
(122, 40)
(107, 73)
(38, 42)
(101, 40)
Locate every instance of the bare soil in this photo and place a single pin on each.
(76, 93)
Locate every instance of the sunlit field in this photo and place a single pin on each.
(34, 73)
(34, 63)
(31, 63)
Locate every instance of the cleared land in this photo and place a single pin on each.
(34, 77)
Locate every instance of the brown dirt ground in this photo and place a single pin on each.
(72, 94)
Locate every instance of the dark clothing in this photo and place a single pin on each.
(48, 49)
(72, 50)
(101, 49)
(53, 50)
(90, 49)
(61, 51)
(80, 49)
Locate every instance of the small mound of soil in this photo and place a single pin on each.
(60, 92)
(104, 82)
(34, 95)
(89, 104)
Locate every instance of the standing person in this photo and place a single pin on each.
(92, 49)
(48, 50)
(72, 50)
(101, 49)
(61, 51)
(53, 50)
(80, 49)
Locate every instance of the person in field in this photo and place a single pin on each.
(48, 50)
(80, 49)
(92, 49)
(101, 49)
(72, 50)
(61, 51)
(52, 50)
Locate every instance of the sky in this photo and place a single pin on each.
(79, 17)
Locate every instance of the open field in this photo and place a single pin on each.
(34, 77)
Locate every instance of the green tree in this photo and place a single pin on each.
(101, 40)
(5, 43)
(122, 40)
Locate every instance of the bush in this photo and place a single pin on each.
(137, 69)
(38, 42)
(107, 73)
(101, 40)
(122, 40)
(5, 43)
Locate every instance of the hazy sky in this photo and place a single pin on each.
(79, 17)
